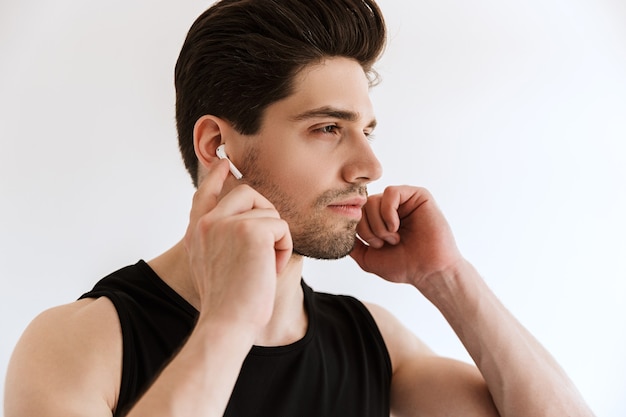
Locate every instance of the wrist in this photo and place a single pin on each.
(448, 285)
(234, 332)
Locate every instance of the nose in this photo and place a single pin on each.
(362, 165)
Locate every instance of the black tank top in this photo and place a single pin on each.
(341, 366)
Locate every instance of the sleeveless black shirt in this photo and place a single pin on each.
(341, 366)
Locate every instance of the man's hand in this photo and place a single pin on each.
(407, 237)
(237, 246)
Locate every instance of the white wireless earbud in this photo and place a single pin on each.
(221, 154)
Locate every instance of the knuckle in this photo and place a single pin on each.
(248, 230)
(243, 189)
(205, 224)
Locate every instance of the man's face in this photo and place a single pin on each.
(312, 158)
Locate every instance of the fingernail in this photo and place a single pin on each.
(392, 240)
(376, 243)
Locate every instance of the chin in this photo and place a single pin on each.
(325, 256)
(333, 248)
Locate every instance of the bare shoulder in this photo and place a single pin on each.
(67, 362)
(424, 383)
(401, 342)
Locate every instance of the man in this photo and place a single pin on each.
(222, 324)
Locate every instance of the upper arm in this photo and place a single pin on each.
(67, 363)
(426, 384)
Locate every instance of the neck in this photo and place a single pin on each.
(288, 323)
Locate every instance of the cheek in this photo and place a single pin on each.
(307, 181)
(279, 181)
(298, 171)
(294, 171)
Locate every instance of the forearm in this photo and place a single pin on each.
(523, 378)
(200, 378)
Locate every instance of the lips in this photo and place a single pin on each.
(357, 202)
(349, 208)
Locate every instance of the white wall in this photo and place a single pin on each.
(512, 113)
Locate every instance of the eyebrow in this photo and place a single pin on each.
(333, 112)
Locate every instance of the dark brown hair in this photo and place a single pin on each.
(240, 56)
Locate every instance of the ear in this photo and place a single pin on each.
(207, 136)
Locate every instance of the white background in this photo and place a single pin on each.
(512, 113)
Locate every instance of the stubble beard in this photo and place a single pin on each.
(314, 235)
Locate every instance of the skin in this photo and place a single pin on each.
(319, 174)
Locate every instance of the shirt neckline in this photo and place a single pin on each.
(256, 350)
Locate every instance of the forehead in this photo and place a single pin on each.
(338, 83)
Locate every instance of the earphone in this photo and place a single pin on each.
(221, 154)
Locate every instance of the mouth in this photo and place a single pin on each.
(349, 207)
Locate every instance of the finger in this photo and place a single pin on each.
(391, 200)
(365, 232)
(256, 213)
(206, 196)
(241, 199)
(406, 200)
(266, 234)
(376, 221)
(283, 245)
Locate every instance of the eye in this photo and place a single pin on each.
(328, 129)
(369, 135)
